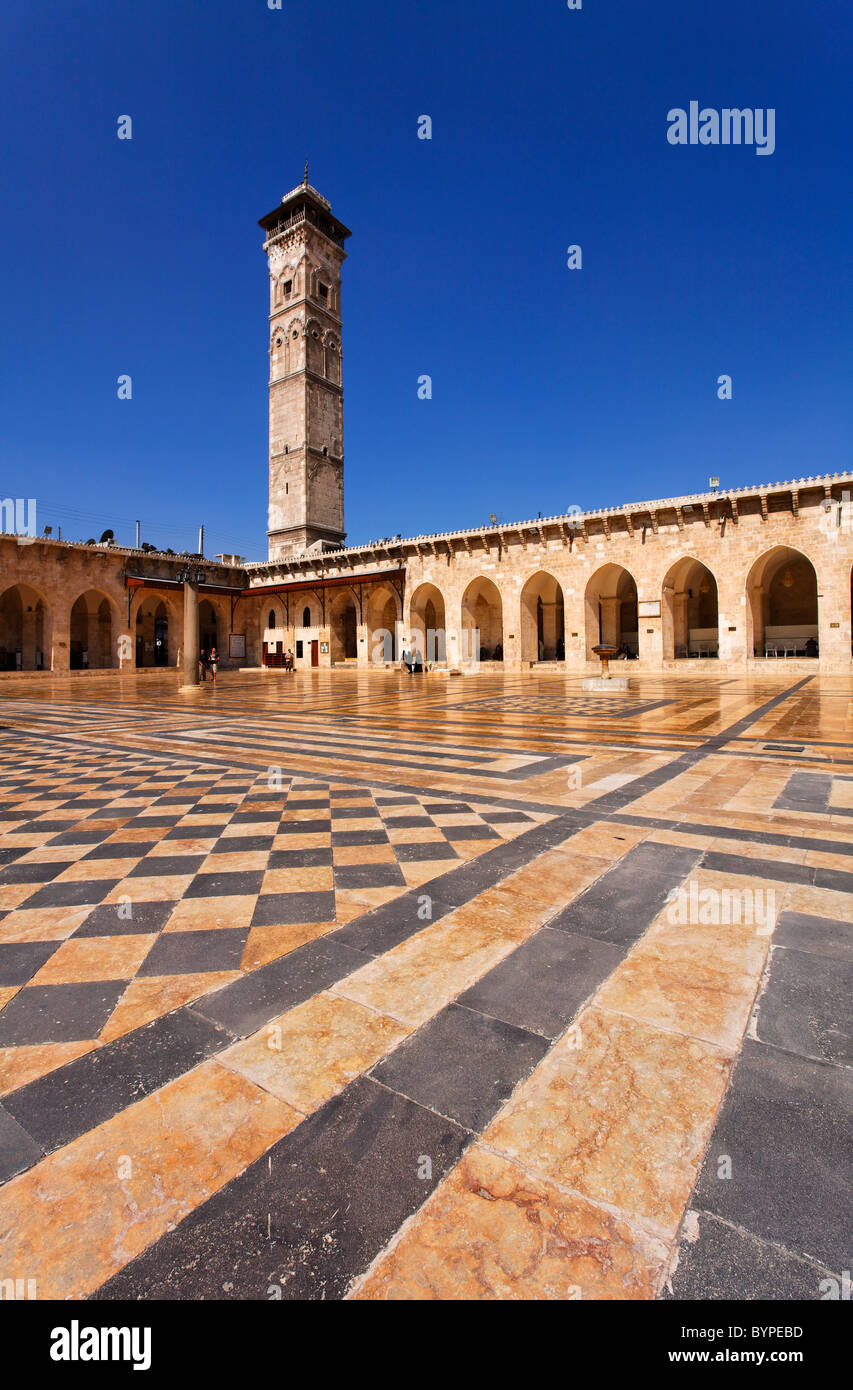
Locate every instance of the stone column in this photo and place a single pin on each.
(680, 623)
(611, 622)
(93, 640)
(190, 644)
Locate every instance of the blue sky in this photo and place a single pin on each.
(551, 387)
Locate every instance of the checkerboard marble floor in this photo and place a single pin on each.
(358, 985)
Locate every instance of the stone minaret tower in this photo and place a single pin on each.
(305, 247)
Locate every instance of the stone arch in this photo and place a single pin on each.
(23, 629)
(689, 610)
(782, 610)
(156, 625)
(272, 621)
(383, 617)
(209, 627)
(482, 621)
(543, 622)
(343, 626)
(428, 623)
(315, 351)
(332, 352)
(93, 632)
(610, 610)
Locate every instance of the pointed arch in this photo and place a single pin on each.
(482, 621)
(782, 604)
(689, 610)
(610, 610)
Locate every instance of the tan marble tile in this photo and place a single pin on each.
(619, 1112)
(82, 1213)
(492, 1231)
(42, 923)
(20, 1065)
(313, 1051)
(95, 958)
(269, 943)
(160, 888)
(156, 995)
(317, 839)
(416, 979)
(210, 914)
(166, 848)
(693, 979)
(96, 869)
(13, 894)
(6, 993)
(309, 880)
(363, 854)
(234, 863)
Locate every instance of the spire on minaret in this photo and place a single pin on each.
(305, 180)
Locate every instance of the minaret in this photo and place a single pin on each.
(305, 248)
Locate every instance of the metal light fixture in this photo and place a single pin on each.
(788, 579)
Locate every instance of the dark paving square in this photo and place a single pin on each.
(386, 926)
(821, 936)
(359, 837)
(621, 905)
(469, 832)
(462, 1064)
(189, 952)
(73, 894)
(75, 1098)
(786, 1124)
(541, 985)
(226, 885)
(304, 827)
(724, 1263)
(112, 919)
(243, 844)
(299, 858)
(166, 865)
(18, 1150)
(32, 873)
(246, 1004)
(288, 908)
(191, 830)
(430, 849)
(58, 1013)
(369, 876)
(84, 836)
(807, 1005)
(310, 1214)
(19, 960)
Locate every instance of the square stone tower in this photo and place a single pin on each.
(305, 249)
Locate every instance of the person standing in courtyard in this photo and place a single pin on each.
(202, 664)
(213, 663)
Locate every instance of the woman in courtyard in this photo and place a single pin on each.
(213, 664)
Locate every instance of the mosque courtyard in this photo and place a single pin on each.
(350, 984)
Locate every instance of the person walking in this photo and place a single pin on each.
(213, 663)
(202, 664)
(288, 661)
(407, 660)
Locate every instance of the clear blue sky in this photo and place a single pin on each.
(552, 388)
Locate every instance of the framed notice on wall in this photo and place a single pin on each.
(237, 645)
(324, 647)
(648, 608)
